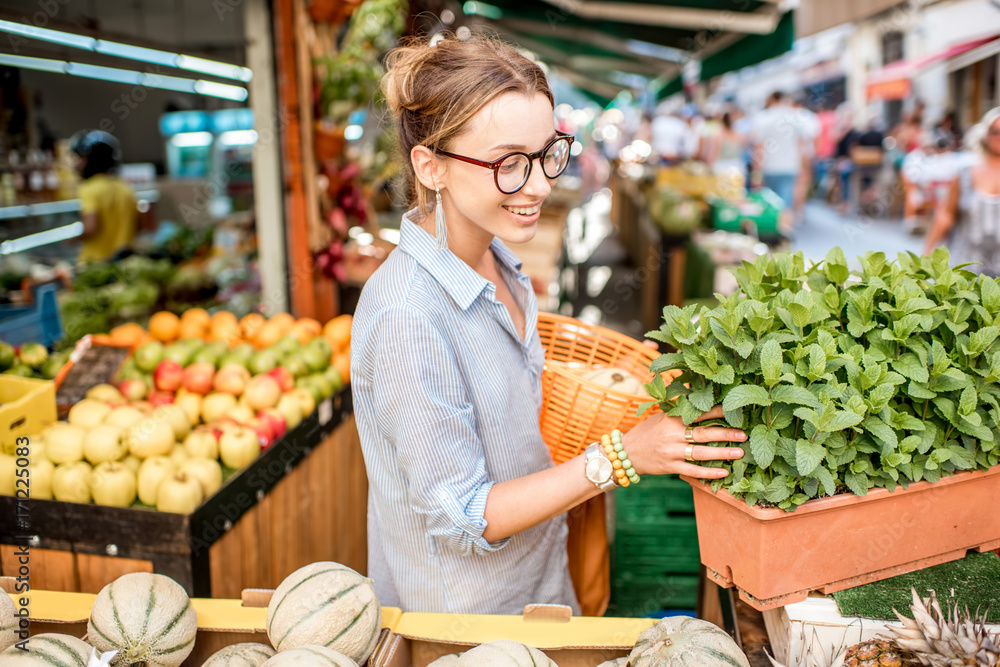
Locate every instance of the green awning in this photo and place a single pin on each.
(751, 50)
(671, 88)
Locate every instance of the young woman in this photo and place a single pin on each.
(466, 506)
(971, 213)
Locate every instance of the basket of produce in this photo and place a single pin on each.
(592, 383)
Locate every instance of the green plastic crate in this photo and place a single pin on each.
(761, 209)
(644, 597)
(658, 549)
(654, 499)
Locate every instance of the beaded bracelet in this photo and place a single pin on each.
(625, 474)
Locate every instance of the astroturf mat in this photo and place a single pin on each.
(972, 582)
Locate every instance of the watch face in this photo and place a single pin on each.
(599, 470)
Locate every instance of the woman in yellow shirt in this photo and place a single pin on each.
(106, 201)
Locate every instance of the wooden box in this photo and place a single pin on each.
(264, 523)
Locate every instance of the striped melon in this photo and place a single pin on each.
(8, 622)
(246, 654)
(504, 653)
(147, 617)
(680, 641)
(325, 604)
(310, 655)
(447, 661)
(617, 662)
(48, 650)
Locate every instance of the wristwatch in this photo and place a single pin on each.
(598, 468)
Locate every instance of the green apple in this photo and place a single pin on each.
(7, 357)
(325, 386)
(287, 345)
(295, 365)
(308, 383)
(34, 355)
(20, 370)
(180, 352)
(333, 375)
(314, 359)
(244, 352)
(149, 356)
(263, 361)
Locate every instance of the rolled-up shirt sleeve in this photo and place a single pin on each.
(424, 411)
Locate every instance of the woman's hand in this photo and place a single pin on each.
(657, 446)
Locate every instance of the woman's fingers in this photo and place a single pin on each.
(714, 413)
(692, 470)
(718, 434)
(699, 453)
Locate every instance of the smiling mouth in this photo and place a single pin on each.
(523, 210)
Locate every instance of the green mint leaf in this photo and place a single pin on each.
(745, 394)
(881, 431)
(762, 442)
(908, 365)
(857, 483)
(771, 362)
(793, 395)
(703, 399)
(777, 490)
(825, 479)
(734, 417)
(840, 420)
(807, 456)
(967, 403)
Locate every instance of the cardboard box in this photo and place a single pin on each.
(419, 639)
(221, 623)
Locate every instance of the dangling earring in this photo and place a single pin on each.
(440, 228)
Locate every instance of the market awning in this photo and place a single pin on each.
(751, 50)
(893, 82)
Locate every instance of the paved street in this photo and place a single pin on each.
(824, 228)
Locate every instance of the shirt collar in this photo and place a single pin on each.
(457, 278)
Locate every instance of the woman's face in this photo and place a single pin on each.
(474, 205)
(993, 137)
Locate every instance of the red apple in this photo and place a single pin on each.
(133, 390)
(265, 435)
(284, 377)
(168, 375)
(231, 379)
(198, 377)
(263, 391)
(276, 419)
(158, 398)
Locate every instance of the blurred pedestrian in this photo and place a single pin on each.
(811, 130)
(726, 155)
(779, 138)
(970, 218)
(107, 203)
(670, 137)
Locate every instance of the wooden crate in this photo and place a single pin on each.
(263, 524)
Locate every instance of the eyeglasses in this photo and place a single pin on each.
(511, 172)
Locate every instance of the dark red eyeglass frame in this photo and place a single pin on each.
(495, 164)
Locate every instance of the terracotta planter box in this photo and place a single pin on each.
(775, 557)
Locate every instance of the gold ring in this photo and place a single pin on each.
(689, 434)
(689, 453)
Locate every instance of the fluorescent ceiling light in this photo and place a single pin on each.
(118, 50)
(41, 238)
(238, 138)
(127, 76)
(191, 139)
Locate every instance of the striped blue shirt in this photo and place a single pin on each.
(447, 398)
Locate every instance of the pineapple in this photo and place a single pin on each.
(939, 639)
(811, 655)
(875, 653)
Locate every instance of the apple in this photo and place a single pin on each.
(276, 419)
(287, 345)
(284, 378)
(133, 463)
(69, 482)
(148, 356)
(291, 409)
(160, 398)
(201, 443)
(88, 413)
(263, 391)
(145, 407)
(241, 414)
(150, 437)
(334, 377)
(293, 362)
(176, 416)
(207, 471)
(64, 443)
(231, 379)
(316, 360)
(40, 472)
(178, 455)
(265, 435)
(198, 377)
(123, 417)
(212, 353)
(180, 493)
(306, 400)
(238, 447)
(168, 375)
(323, 384)
(216, 405)
(8, 474)
(179, 352)
(133, 389)
(104, 443)
(263, 361)
(308, 383)
(112, 484)
(106, 394)
(151, 473)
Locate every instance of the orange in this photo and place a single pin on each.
(164, 326)
(191, 328)
(342, 362)
(223, 316)
(226, 331)
(128, 334)
(309, 324)
(302, 333)
(250, 323)
(195, 317)
(284, 321)
(267, 335)
(338, 331)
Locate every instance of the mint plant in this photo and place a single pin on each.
(844, 380)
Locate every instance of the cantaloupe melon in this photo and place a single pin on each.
(310, 655)
(325, 604)
(447, 661)
(48, 650)
(617, 662)
(245, 654)
(147, 617)
(504, 653)
(681, 641)
(8, 622)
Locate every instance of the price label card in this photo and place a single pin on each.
(325, 412)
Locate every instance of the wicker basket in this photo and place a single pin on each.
(576, 411)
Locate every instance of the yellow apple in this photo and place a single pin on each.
(202, 444)
(206, 471)
(133, 463)
(152, 472)
(104, 443)
(105, 393)
(69, 482)
(112, 484)
(291, 410)
(150, 437)
(180, 493)
(191, 404)
(41, 471)
(216, 405)
(123, 417)
(8, 474)
(178, 455)
(88, 413)
(177, 417)
(305, 399)
(238, 447)
(64, 443)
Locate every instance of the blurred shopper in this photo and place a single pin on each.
(107, 203)
(727, 153)
(779, 138)
(670, 137)
(867, 158)
(970, 218)
(811, 130)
